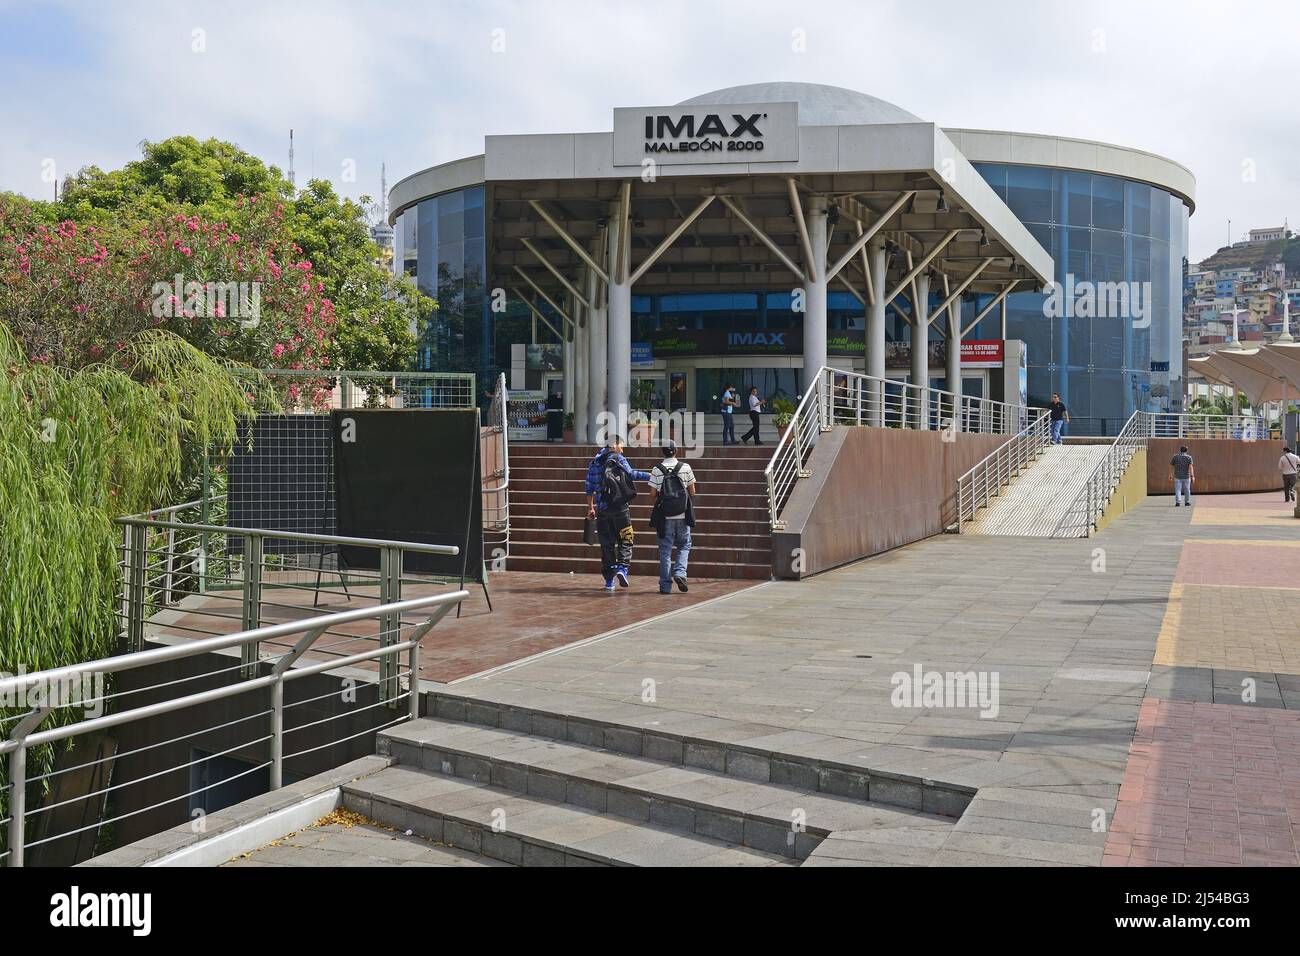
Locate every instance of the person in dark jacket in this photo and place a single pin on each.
(613, 519)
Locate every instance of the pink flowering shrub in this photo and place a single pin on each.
(76, 295)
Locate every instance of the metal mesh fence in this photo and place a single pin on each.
(280, 473)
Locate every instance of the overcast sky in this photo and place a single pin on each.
(1209, 84)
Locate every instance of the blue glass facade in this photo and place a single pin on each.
(440, 243)
(1097, 228)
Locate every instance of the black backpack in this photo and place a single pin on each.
(672, 493)
(616, 488)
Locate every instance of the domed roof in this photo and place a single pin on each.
(818, 105)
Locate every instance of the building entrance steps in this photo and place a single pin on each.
(732, 539)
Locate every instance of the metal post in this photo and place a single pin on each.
(413, 669)
(390, 590)
(205, 517)
(170, 565)
(277, 734)
(139, 560)
(17, 803)
(251, 652)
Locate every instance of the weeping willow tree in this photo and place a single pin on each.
(77, 449)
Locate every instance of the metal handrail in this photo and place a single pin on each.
(836, 396)
(498, 423)
(997, 469)
(25, 734)
(1080, 519)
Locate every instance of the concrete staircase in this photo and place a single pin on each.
(732, 538)
(535, 788)
(1034, 504)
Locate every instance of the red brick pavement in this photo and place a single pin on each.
(1254, 564)
(1209, 785)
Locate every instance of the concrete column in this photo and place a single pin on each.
(596, 360)
(921, 353)
(581, 358)
(814, 292)
(953, 370)
(619, 343)
(875, 345)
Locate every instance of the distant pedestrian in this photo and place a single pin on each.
(730, 402)
(673, 516)
(1183, 472)
(755, 406)
(610, 491)
(1060, 417)
(1289, 465)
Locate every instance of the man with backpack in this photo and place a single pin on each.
(673, 516)
(610, 490)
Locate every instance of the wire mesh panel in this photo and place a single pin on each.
(278, 476)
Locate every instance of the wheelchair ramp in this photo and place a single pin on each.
(1034, 504)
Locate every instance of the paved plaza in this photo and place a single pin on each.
(1112, 738)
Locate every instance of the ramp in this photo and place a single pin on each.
(1034, 504)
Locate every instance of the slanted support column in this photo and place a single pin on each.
(814, 292)
(620, 310)
(597, 371)
(875, 345)
(921, 353)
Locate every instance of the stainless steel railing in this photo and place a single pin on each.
(987, 479)
(837, 397)
(1193, 425)
(217, 574)
(399, 635)
(496, 485)
(1080, 519)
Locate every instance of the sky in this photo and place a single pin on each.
(411, 84)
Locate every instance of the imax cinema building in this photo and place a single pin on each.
(751, 233)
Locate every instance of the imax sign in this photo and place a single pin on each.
(672, 135)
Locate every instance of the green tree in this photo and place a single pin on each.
(379, 316)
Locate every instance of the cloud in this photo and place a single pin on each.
(415, 84)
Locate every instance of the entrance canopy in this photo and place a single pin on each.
(774, 187)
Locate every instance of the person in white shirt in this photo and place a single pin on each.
(730, 400)
(673, 516)
(755, 406)
(1289, 465)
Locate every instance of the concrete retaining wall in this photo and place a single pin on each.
(872, 489)
(1222, 465)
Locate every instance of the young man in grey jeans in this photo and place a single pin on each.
(1183, 472)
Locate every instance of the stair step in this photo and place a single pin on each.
(554, 530)
(640, 568)
(529, 830)
(769, 817)
(736, 748)
(646, 548)
(559, 521)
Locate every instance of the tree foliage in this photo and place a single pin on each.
(81, 447)
(378, 315)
